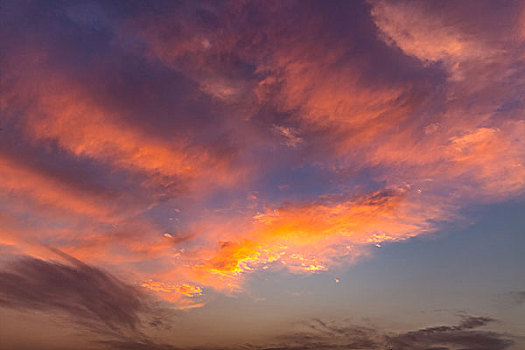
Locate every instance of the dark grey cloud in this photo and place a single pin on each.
(463, 336)
(331, 335)
(85, 294)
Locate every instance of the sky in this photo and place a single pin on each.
(275, 175)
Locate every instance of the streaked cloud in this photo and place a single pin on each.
(318, 334)
(191, 144)
(82, 293)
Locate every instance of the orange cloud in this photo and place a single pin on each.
(23, 181)
(317, 236)
(429, 38)
(178, 294)
(86, 130)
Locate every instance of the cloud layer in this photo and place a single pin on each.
(318, 334)
(191, 143)
(466, 335)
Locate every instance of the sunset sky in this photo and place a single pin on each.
(257, 175)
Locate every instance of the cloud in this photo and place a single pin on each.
(44, 188)
(84, 294)
(318, 334)
(331, 335)
(315, 236)
(381, 120)
(449, 337)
